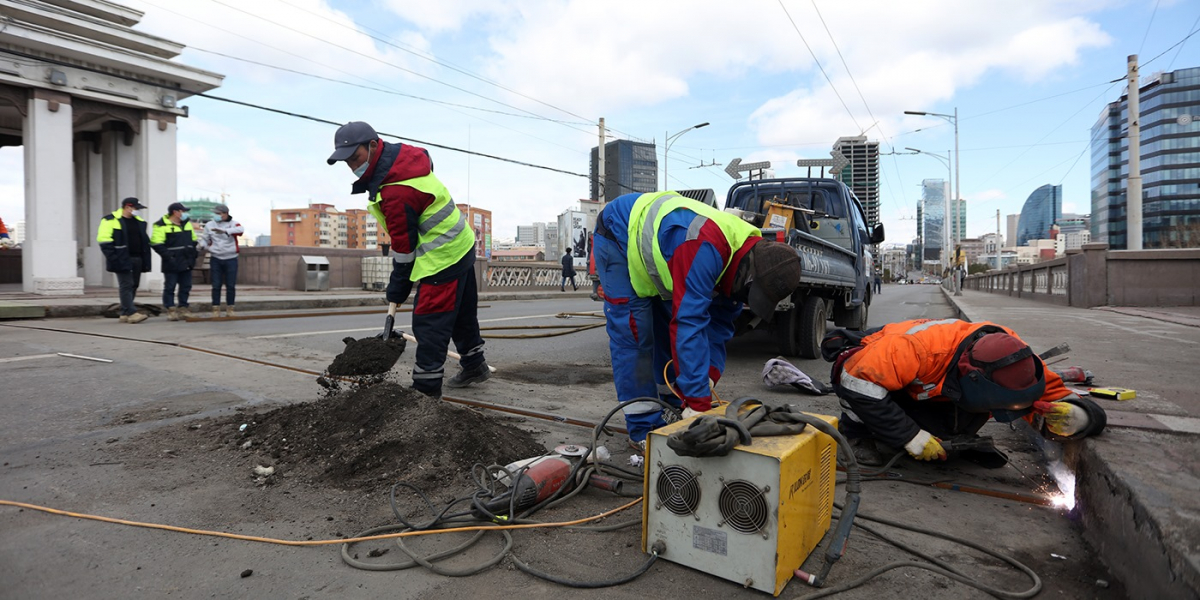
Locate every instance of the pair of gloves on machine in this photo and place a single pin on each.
(1063, 419)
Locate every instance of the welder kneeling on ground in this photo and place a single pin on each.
(929, 385)
(675, 273)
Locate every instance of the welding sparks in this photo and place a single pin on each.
(1066, 486)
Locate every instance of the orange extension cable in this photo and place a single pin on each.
(266, 540)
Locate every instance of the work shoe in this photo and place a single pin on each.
(137, 318)
(216, 311)
(184, 313)
(865, 451)
(229, 311)
(639, 447)
(464, 378)
(123, 318)
(172, 314)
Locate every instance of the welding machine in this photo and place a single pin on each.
(751, 516)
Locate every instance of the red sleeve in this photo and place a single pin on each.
(402, 207)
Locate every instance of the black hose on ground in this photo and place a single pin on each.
(525, 568)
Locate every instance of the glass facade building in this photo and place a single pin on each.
(629, 167)
(1170, 163)
(933, 215)
(1042, 209)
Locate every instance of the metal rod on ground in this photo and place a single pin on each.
(91, 358)
(450, 353)
(527, 412)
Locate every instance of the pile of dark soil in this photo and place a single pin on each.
(374, 435)
(368, 356)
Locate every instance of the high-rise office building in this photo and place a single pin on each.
(629, 167)
(1042, 209)
(862, 174)
(1170, 164)
(933, 201)
(958, 219)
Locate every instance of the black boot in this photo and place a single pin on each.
(466, 377)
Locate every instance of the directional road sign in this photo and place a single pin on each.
(736, 166)
(835, 164)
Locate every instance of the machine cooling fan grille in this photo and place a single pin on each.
(678, 490)
(743, 506)
(826, 502)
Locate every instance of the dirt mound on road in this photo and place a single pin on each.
(372, 436)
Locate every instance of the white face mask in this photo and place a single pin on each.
(362, 169)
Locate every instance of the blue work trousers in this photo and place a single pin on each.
(639, 340)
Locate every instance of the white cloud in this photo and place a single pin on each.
(446, 15)
(302, 37)
(904, 60)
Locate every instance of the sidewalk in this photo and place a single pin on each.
(20, 305)
(1139, 482)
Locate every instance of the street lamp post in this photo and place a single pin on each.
(667, 148)
(946, 219)
(957, 184)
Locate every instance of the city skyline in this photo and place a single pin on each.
(1028, 80)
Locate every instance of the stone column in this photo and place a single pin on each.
(49, 259)
(156, 178)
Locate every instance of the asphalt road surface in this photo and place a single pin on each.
(74, 436)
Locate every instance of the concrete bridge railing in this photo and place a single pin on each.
(1096, 276)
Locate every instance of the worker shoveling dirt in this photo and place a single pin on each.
(365, 439)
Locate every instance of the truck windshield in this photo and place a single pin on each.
(820, 197)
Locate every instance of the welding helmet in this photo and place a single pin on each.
(998, 373)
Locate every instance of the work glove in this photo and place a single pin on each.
(688, 412)
(924, 446)
(1064, 418)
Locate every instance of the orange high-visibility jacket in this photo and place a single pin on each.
(916, 356)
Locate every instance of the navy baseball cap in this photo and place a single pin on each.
(348, 138)
(177, 206)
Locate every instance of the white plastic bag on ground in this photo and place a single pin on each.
(779, 371)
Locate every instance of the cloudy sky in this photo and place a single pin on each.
(527, 80)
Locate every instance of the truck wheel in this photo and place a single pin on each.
(812, 318)
(858, 320)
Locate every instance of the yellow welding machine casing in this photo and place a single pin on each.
(752, 516)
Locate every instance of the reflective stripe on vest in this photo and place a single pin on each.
(443, 237)
(653, 277)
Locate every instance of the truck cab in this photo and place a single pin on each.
(823, 220)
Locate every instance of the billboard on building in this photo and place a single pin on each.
(575, 235)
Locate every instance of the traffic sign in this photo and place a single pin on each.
(736, 166)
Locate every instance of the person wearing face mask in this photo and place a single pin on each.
(432, 249)
(126, 247)
(221, 240)
(174, 239)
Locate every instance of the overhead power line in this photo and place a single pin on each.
(384, 62)
(293, 114)
(383, 39)
(378, 89)
(816, 60)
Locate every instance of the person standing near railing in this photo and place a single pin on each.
(221, 240)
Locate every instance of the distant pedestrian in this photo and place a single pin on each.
(174, 239)
(878, 284)
(568, 271)
(126, 247)
(221, 240)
